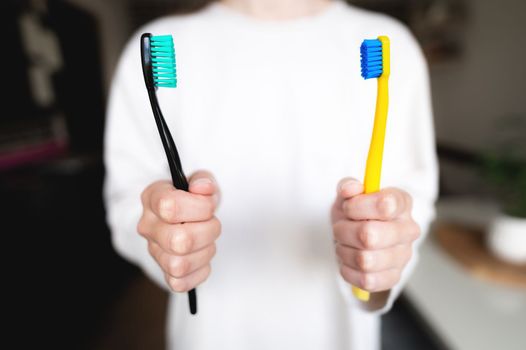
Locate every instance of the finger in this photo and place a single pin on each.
(146, 224)
(349, 187)
(374, 260)
(181, 266)
(386, 204)
(182, 239)
(176, 206)
(371, 281)
(373, 234)
(162, 185)
(155, 251)
(203, 182)
(188, 282)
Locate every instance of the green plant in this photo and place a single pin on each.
(508, 175)
(505, 167)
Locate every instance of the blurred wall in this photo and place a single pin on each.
(471, 95)
(115, 25)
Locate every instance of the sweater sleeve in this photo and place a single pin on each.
(133, 157)
(410, 161)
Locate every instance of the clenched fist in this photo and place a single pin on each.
(373, 235)
(181, 229)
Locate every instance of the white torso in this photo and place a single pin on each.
(279, 113)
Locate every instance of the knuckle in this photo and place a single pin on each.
(188, 243)
(366, 235)
(181, 242)
(218, 226)
(166, 206)
(363, 236)
(179, 266)
(141, 227)
(363, 261)
(173, 206)
(387, 205)
(178, 284)
(146, 194)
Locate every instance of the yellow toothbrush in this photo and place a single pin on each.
(375, 62)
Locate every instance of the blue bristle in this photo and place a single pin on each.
(371, 58)
(163, 61)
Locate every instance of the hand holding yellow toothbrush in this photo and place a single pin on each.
(373, 229)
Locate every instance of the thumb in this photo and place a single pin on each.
(203, 182)
(349, 187)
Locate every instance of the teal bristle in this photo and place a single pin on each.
(371, 58)
(163, 61)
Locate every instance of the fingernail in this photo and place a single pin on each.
(202, 181)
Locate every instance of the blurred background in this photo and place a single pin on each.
(469, 290)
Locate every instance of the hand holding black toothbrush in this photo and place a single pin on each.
(180, 240)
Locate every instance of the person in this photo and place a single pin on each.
(272, 121)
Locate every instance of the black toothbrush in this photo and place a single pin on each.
(159, 70)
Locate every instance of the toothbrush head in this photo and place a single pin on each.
(158, 61)
(374, 55)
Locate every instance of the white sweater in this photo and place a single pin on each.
(279, 113)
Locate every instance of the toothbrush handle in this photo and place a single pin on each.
(174, 162)
(373, 167)
(176, 170)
